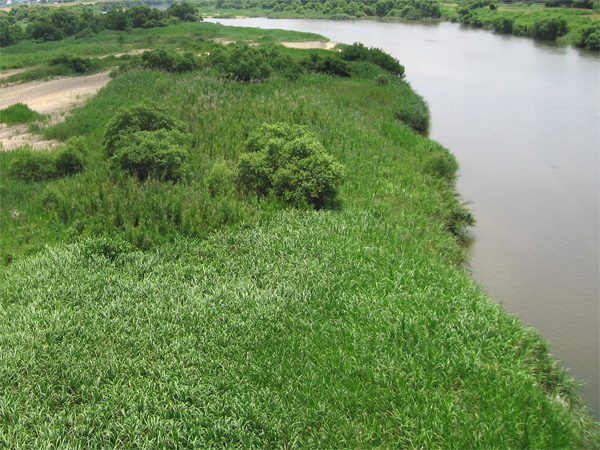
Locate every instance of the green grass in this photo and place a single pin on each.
(19, 113)
(157, 315)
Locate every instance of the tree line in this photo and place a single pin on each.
(42, 23)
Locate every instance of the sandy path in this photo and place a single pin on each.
(54, 97)
(310, 44)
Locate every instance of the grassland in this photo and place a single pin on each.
(149, 314)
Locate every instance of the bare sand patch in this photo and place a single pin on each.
(55, 98)
(311, 44)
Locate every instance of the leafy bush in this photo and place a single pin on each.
(140, 117)
(549, 28)
(330, 65)
(441, 165)
(413, 111)
(588, 37)
(105, 247)
(76, 63)
(221, 179)
(30, 165)
(358, 52)
(161, 154)
(168, 61)
(18, 113)
(382, 80)
(69, 160)
(289, 162)
(241, 62)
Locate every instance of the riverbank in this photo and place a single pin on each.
(570, 26)
(251, 323)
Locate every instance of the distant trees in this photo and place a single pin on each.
(43, 23)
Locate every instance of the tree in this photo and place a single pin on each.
(140, 117)
(184, 11)
(290, 163)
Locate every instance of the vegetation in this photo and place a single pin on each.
(139, 312)
(291, 163)
(43, 23)
(571, 22)
(30, 165)
(19, 113)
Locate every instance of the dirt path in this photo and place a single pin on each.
(55, 97)
(311, 44)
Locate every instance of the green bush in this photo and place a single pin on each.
(140, 117)
(76, 63)
(330, 65)
(290, 163)
(221, 179)
(70, 159)
(588, 38)
(413, 111)
(358, 52)
(161, 154)
(382, 80)
(441, 165)
(241, 62)
(105, 247)
(549, 28)
(30, 165)
(168, 61)
(18, 113)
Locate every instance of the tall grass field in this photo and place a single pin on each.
(145, 312)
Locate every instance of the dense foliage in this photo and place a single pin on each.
(43, 23)
(550, 23)
(358, 52)
(289, 162)
(30, 165)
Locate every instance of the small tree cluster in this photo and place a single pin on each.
(241, 62)
(31, 165)
(75, 63)
(289, 162)
(358, 52)
(330, 65)
(144, 141)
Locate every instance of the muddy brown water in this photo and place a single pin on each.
(523, 119)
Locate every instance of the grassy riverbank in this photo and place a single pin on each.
(153, 314)
(575, 26)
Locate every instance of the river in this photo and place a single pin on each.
(523, 119)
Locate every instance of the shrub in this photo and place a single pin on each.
(549, 28)
(290, 163)
(168, 61)
(441, 165)
(358, 52)
(382, 80)
(29, 165)
(241, 62)
(105, 247)
(76, 63)
(588, 37)
(140, 117)
(18, 113)
(221, 179)
(413, 111)
(161, 154)
(330, 65)
(70, 159)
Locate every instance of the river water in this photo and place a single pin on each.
(523, 119)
